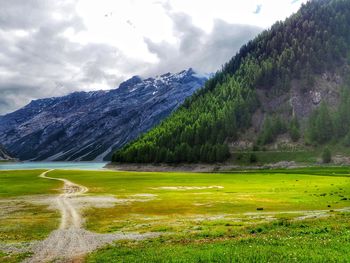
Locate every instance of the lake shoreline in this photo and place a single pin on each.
(52, 165)
(201, 167)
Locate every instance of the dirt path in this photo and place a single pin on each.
(70, 215)
(71, 242)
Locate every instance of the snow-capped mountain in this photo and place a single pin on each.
(91, 125)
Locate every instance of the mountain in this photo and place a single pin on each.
(291, 81)
(4, 154)
(91, 125)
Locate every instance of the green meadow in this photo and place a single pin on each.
(24, 183)
(21, 219)
(285, 215)
(284, 240)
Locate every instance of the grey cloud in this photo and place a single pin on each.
(205, 52)
(45, 63)
(191, 36)
(31, 14)
(13, 94)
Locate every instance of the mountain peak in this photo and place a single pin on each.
(130, 82)
(90, 125)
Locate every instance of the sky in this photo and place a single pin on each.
(52, 48)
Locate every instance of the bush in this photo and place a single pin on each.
(239, 157)
(256, 148)
(294, 134)
(294, 131)
(326, 156)
(320, 127)
(253, 158)
(270, 129)
(346, 141)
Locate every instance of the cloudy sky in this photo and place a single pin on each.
(50, 47)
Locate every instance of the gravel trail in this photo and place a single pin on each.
(71, 241)
(70, 214)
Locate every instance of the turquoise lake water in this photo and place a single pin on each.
(53, 165)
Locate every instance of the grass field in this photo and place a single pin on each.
(22, 183)
(21, 219)
(312, 240)
(240, 216)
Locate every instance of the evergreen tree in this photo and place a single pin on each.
(326, 155)
(346, 141)
(294, 129)
(253, 158)
(342, 116)
(271, 129)
(320, 129)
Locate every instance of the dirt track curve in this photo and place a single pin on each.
(70, 215)
(71, 242)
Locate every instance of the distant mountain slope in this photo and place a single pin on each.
(91, 125)
(4, 154)
(270, 87)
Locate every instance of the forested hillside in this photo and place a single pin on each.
(314, 40)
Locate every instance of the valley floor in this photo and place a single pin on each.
(108, 216)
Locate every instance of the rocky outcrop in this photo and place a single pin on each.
(4, 154)
(91, 125)
(301, 102)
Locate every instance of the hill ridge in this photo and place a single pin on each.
(291, 56)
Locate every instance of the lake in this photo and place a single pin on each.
(53, 165)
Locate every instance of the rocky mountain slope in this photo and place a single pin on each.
(4, 154)
(91, 125)
(292, 80)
